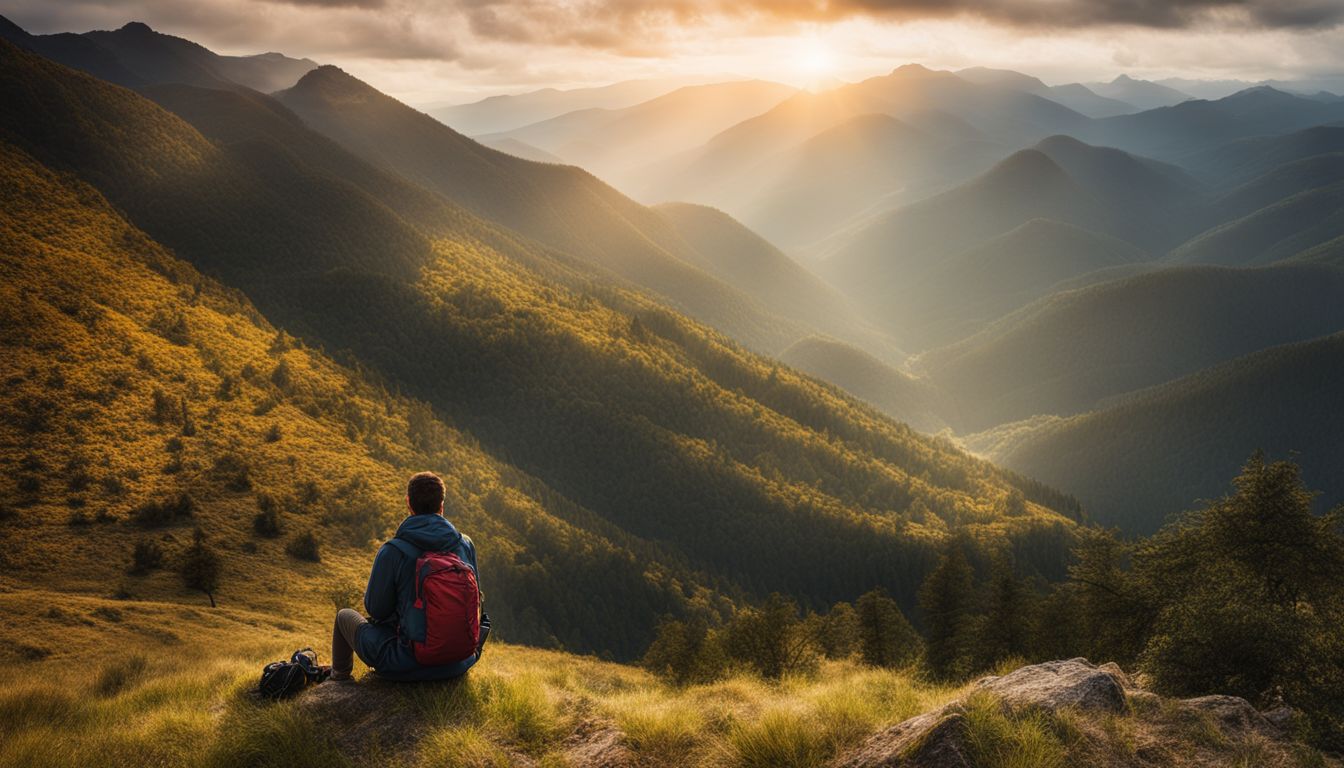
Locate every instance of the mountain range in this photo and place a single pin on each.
(640, 429)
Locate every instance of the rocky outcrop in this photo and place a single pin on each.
(1093, 695)
(1231, 713)
(931, 740)
(1051, 686)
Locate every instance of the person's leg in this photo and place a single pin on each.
(343, 635)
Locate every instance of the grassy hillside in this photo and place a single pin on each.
(134, 382)
(1159, 451)
(639, 421)
(1066, 353)
(190, 702)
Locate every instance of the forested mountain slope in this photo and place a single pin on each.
(894, 392)
(562, 207)
(1159, 451)
(1068, 352)
(1193, 126)
(964, 292)
(664, 430)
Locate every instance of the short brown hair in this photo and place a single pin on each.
(425, 493)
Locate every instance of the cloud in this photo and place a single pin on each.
(609, 23)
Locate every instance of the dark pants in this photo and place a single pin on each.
(348, 623)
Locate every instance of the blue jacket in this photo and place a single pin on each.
(391, 593)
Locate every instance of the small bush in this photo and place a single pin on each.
(147, 556)
(274, 434)
(304, 546)
(234, 472)
(164, 409)
(267, 520)
(155, 514)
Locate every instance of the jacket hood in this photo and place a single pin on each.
(429, 532)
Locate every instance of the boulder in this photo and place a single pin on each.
(931, 740)
(1053, 685)
(1115, 671)
(1232, 713)
(1283, 718)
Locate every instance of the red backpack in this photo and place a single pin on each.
(448, 598)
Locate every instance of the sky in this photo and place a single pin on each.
(430, 52)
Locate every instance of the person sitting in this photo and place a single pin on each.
(423, 599)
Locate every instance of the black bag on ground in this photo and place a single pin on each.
(282, 679)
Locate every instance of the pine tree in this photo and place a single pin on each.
(1250, 595)
(945, 600)
(886, 638)
(1006, 627)
(838, 631)
(771, 639)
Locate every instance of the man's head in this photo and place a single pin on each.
(424, 494)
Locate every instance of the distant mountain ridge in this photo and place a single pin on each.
(1159, 451)
(136, 55)
(1069, 352)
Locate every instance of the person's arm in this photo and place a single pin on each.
(380, 596)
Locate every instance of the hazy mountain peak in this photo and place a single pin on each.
(329, 80)
(1027, 166)
(1061, 141)
(913, 70)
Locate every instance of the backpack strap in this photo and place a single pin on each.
(485, 633)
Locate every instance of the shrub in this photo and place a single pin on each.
(273, 434)
(304, 546)
(267, 521)
(233, 471)
(771, 640)
(201, 567)
(155, 514)
(164, 409)
(146, 556)
(886, 639)
(685, 652)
